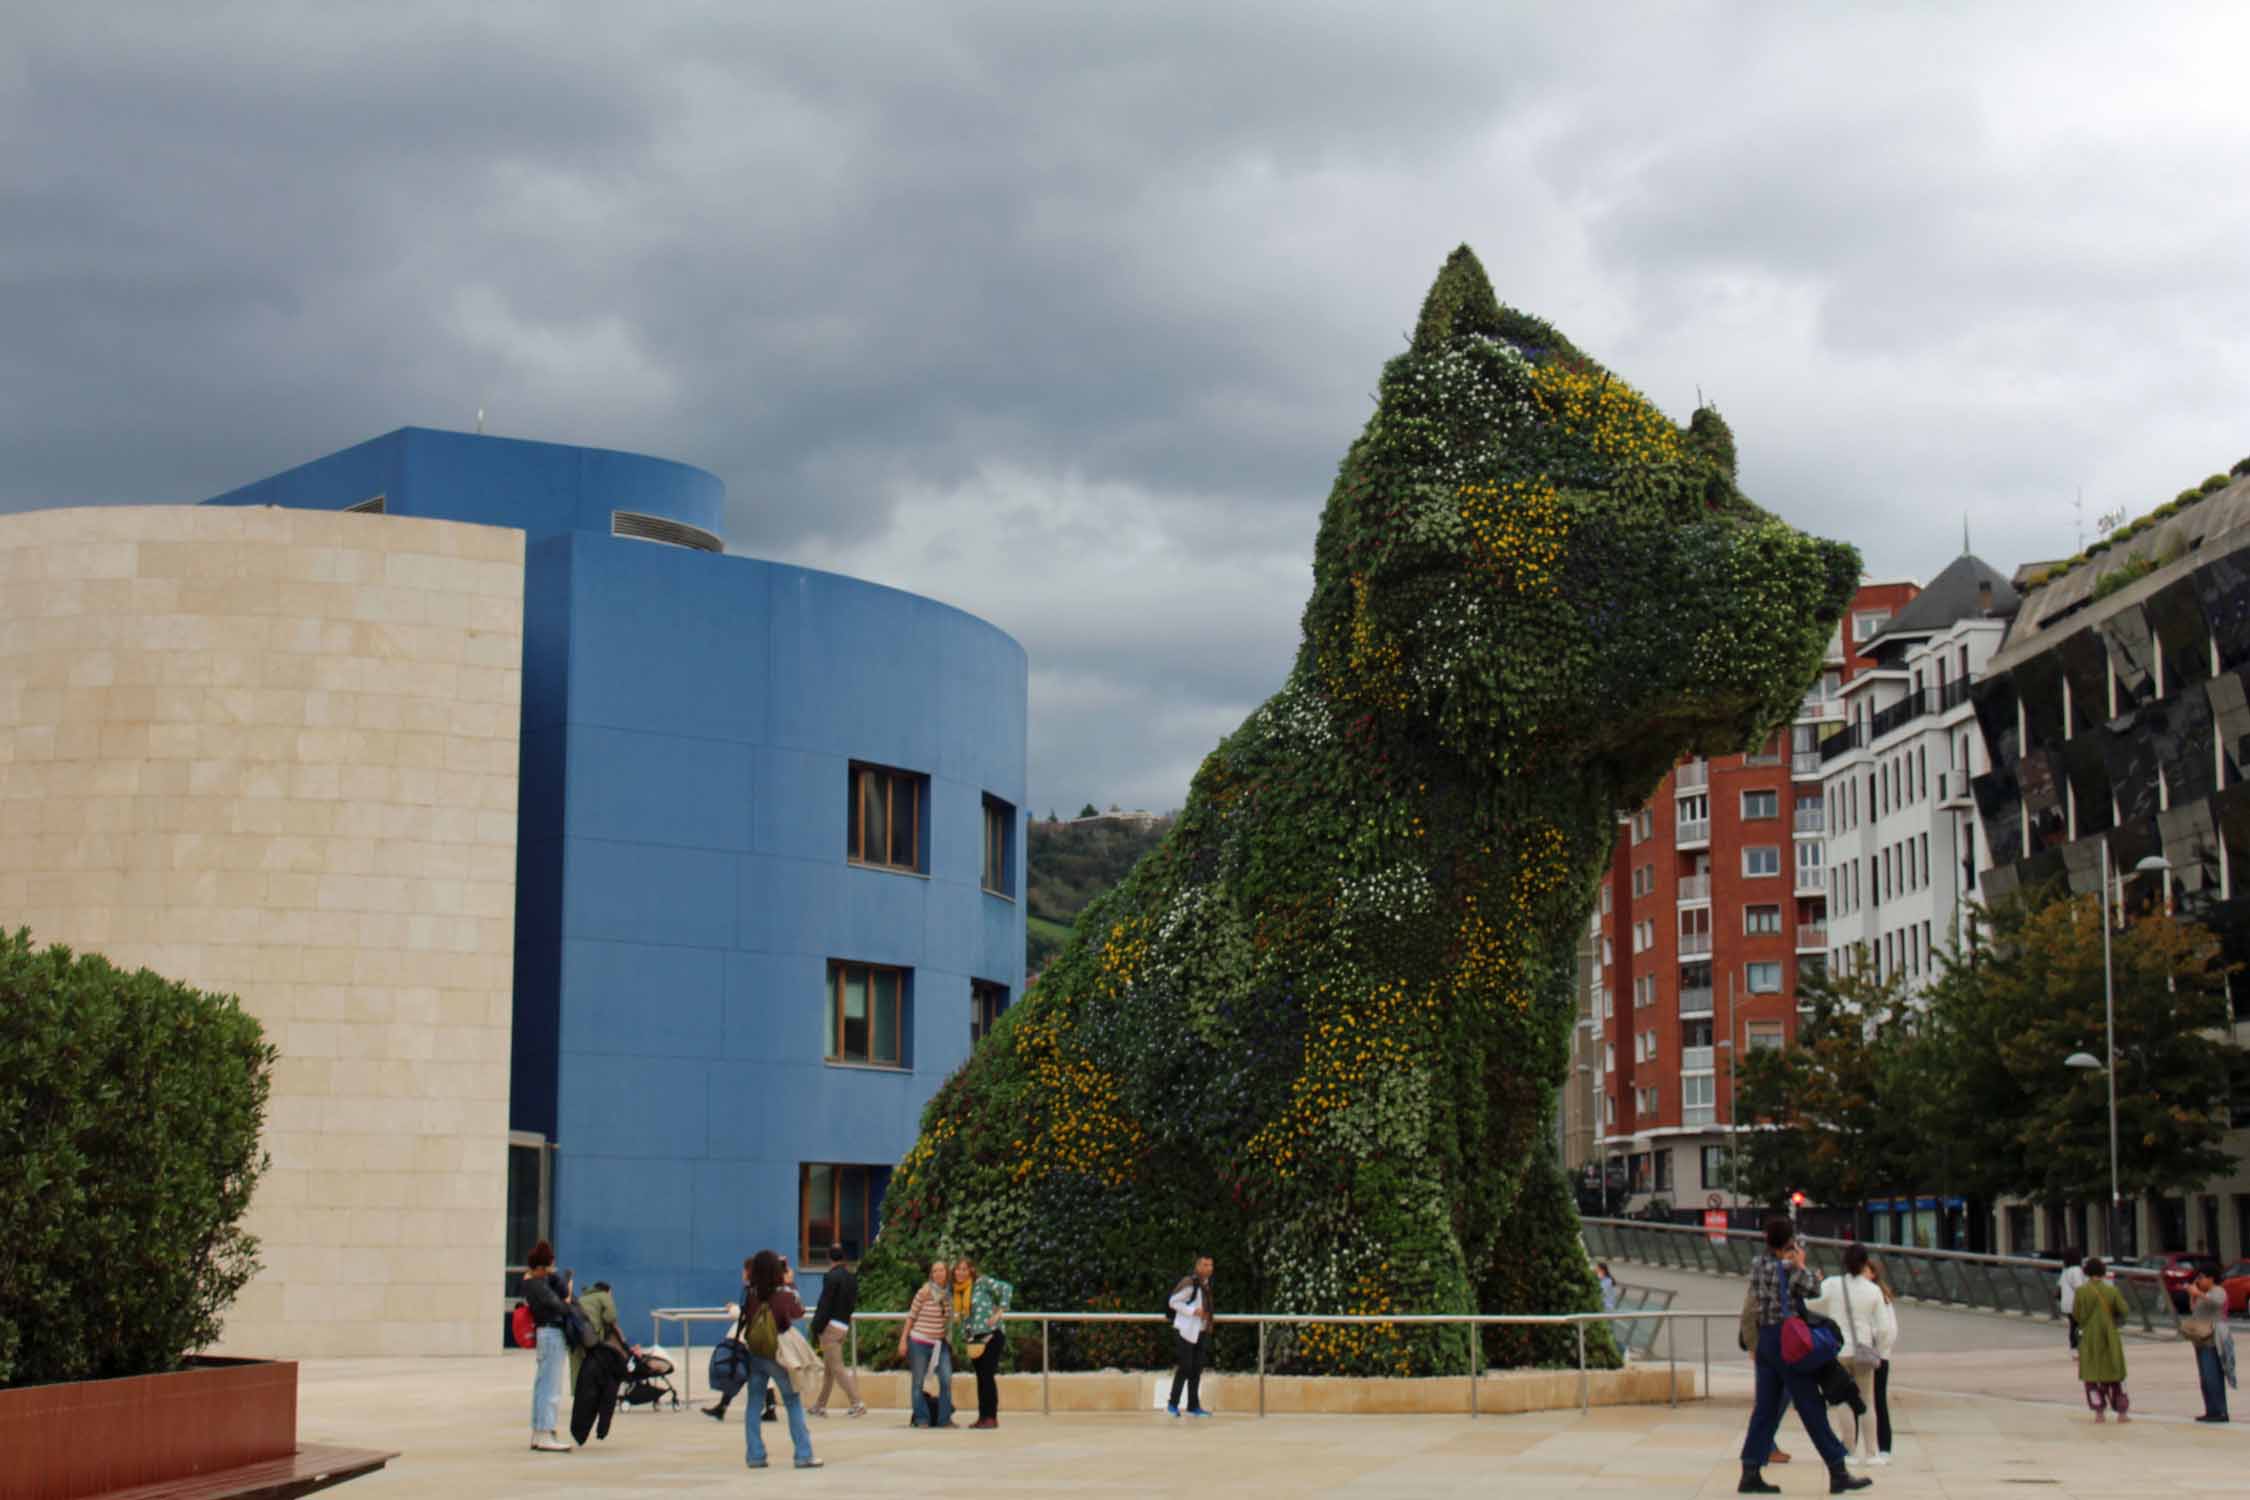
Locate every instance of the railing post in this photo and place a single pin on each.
(1046, 1368)
(1672, 1359)
(1585, 1388)
(1706, 1326)
(1261, 1366)
(1476, 1359)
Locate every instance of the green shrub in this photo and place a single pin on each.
(2241, 467)
(129, 1114)
(2188, 496)
(2213, 483)
(2128, 572)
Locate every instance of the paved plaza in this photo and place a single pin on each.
(462, 1426)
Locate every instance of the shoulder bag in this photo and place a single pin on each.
(2197, 1331)
(1806, 1345)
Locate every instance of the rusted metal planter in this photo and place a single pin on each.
(96, 1437)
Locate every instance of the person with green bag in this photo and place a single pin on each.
(769, 1306)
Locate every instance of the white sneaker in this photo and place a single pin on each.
(1880, 1460)
(549, 1442)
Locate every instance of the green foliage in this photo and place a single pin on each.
(2131, 571)
(2212, 484)
(129, 1115)
(2241, 467)
(1317, 1032)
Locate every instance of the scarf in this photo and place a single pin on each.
(961, 1293)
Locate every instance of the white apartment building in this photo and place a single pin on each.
(1903, 848)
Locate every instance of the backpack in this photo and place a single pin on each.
(521, 1328)
(578, 1329)
(730, 1366)
(758, 1335)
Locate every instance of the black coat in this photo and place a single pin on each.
(839, 1300)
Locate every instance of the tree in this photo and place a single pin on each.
(1089, 811)
(129, 1117)
(2033, 996)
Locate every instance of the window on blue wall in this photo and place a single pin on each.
(885, 818)
(999, 847)
(837, 1205)
(867, 1014)
(986, 1001)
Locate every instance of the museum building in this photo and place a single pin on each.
(593, 883)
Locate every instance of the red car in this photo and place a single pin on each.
(2236, 1281)
(2179, 1268)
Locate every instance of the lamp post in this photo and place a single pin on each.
(1594, 1137)
(2155, 863)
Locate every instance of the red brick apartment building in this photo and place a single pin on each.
(1716, 902)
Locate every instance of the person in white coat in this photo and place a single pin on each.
(2066, 1292)
(1191, 1337)
(1856, 1303)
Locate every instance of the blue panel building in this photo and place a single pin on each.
(769, 880)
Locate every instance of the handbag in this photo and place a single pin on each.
(2197, 1331)
(1807, 1342)
(730, 1366)
(930, 1385)
(521, 1327)
(1854, 1346)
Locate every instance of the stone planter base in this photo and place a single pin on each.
(1500, 1393)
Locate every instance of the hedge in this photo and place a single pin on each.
(129, 1115)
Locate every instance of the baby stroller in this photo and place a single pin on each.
(647, 1381)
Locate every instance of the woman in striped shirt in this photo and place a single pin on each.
(923, 1342)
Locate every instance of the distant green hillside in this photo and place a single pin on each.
(1071, 864)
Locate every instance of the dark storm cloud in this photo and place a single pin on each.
(1067, 313)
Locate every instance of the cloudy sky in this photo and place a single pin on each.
(1065, 313)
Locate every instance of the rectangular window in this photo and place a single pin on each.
(1761, 921)
(986, 1001)
(1767, 754)
(999, 847)
(1762, 1036)
(1866, 624)
(1761, 859)
(1763, 979)
(867, 1014)
(1714, 1167)
(1664, 1171)
(1761, 804)
(1697, 1090)
(837, 1205)
(886, 818)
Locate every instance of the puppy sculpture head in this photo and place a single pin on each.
(1528, 563)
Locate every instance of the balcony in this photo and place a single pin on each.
(1694, 889)
(1953, 789)
(1699, 1114)
(1804, 765)
(1905, 711)
(1694, 944)
(1821, 708)
(1812, 817)
(1844, 740)
(1695, 1002)
(1690, 833)
(1692, 777)
(1812, 881)
(1953, 695)
(1812, 936)
(1695, 1059)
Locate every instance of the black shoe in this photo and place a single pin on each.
(770, 1416)
(1754, 1482)
(2208, 1418)
(715, 1413)
(1842, 1480)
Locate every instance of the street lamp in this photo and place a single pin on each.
(2154, 864)
(1594, 1136)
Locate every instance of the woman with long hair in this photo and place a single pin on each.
(548, 1297)
(769, 1294)
(981, 1304)
(1854, 1303)
(922, 1344)
(1883, 1370)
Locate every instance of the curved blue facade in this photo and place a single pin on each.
(690, 726)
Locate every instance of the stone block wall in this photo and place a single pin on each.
(274, 753)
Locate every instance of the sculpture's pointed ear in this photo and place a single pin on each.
(1460, 301)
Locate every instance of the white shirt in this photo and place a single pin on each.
(2072, 1278)
(1187, 1312)
(1858, 1307)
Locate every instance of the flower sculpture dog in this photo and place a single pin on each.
(1319, 1032)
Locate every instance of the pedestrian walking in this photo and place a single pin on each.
(1883, 1370)
(548, 1297)
(2100, 1309)
(2206, 1328)
(717, 1412)
(1609, 1285)
(831, 1327)
(2066, 1290)
(922, 1343)
(1779, 1284)
(1192, 1316)
(1855, 1302)
(980, 1306)
(769, 1306)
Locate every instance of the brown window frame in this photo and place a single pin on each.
(982, 1020)
(865, 776)
(811, 1256)
(1001, 817)
(839, 970)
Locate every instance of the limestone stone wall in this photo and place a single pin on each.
(274, 753)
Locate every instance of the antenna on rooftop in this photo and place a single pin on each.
(480, 421)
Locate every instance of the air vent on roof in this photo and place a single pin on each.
(372, 506)
(657, 529)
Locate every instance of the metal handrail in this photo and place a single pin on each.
(1965, 1278)
(1627, 1317)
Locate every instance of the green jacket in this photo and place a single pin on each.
(2100, 1311)
(600, 1309)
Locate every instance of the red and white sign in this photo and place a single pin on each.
(1715, 1225)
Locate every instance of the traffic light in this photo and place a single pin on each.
(1798, 1200)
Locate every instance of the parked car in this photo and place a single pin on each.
(2236, 1281)
(2179, 1268)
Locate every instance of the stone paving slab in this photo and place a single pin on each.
(462, 1426)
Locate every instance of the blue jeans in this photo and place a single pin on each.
(1802, 1391)
(917, 1361)
(753, 1441)
(2214, 1377)
(547, 1381)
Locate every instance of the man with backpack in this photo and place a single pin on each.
(1190, 1306)
(1779, 1284)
